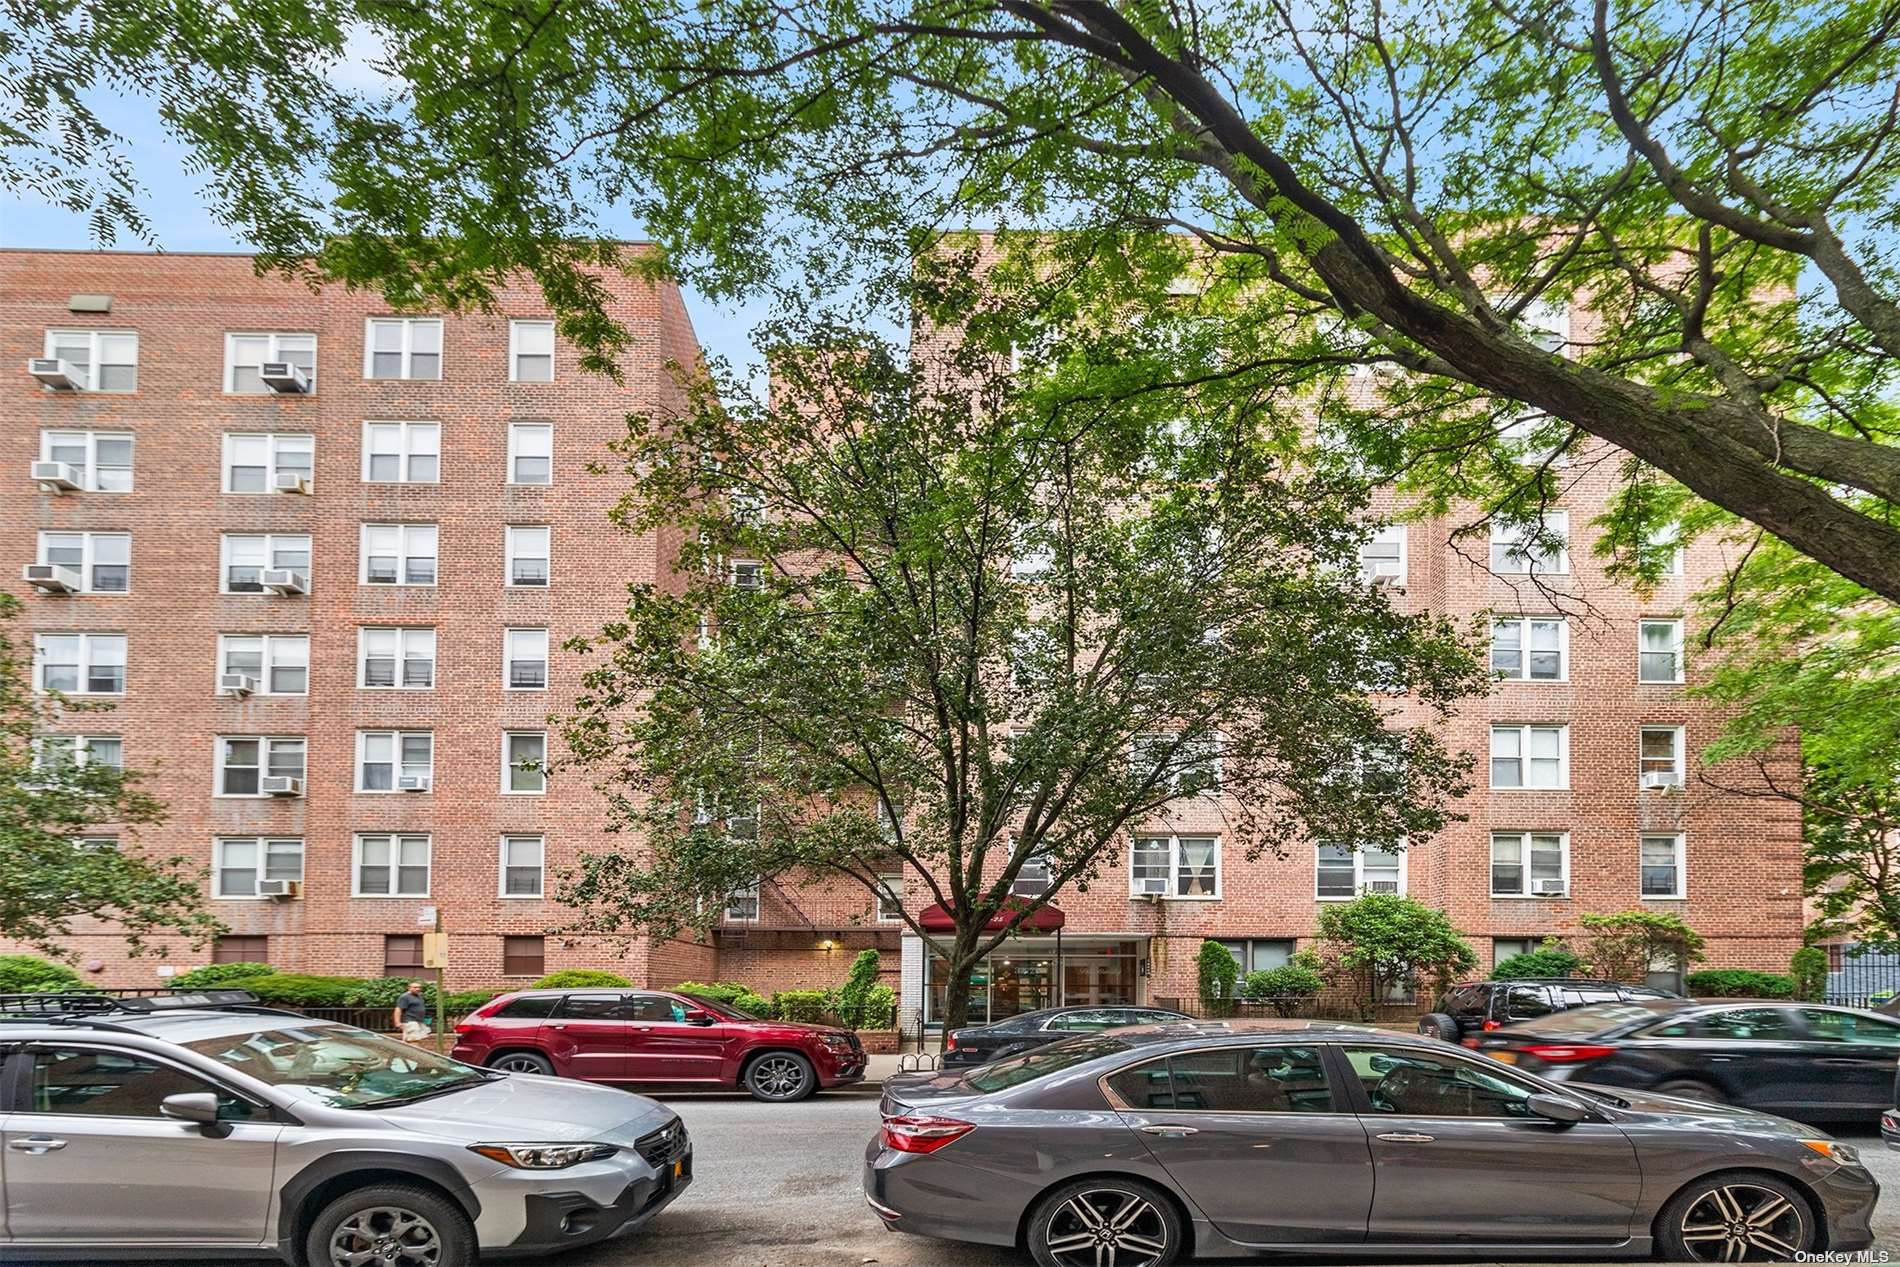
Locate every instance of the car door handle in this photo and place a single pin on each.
(1171, 1132)
(1405, 1137)
(36, 1144)
(557, 1027)
(1842, 1060)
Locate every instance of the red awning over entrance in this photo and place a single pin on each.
(1045, 920)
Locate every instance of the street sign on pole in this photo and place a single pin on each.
(428, 918)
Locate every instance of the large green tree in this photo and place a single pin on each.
(932, 618)
(53, 871)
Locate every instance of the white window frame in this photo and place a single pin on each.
(89, 557)
(408, 350)
(407, 450)
(512, 553)
(268, 652)
(515, 353)
(1176, 865)
(405, 552)
(397, 767)
(1205, 750)
(508, 763)
(508, 657)
(1681, 864)
(96, 343)
(266, 745)
(394, 865)
(1034, 873)
(1523, 839)
(81, 746)
(743, 905)
(1679, 742)
(1359, 880)
(273, 541)
(1388, 534)
(1524, 731)
(263, 846)
(1512, 536)
(275, 443)
(85, 662)
(1524, 624)
(888, 906)
(274, 351)
(515, 432)
(90, 468)
(403, 635)
(1515, 435)
(540, 867)
(1668, 537)
(1675, 624)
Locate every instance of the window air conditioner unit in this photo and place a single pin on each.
(413, 783)
(51, 578)
(1659, 778)
(280, 888)
(1382, 886)
(1154, 886)
(284, 378)
(289, 483)
(1386, 581)
(57, 477)
(281, 785)
(59, 375)
(284, 581)
(238, 684)
(1548, 888)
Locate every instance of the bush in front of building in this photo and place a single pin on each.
(1809, 970)
(1550, 959)
(731, 993)
(857, 1005)
(812, 1007)
(582, 979)
(1289, 989)
(1217, 971)
(214, 976)
(30, 974)
(1739, 983)
(1384, 942)
(1627, 946)
(303, 989)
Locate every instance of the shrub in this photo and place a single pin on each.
(298, 989)
(1384, 940)
(1218, 970)
(1740, 983)
(461, 1002)
(1624, 946)
(1549, 960)
(384, 991)
(854, 996)
(812, 1006)
(30, 974)
(1288, 988)
(211, 976)
(581, 978)
(1809, 970)
(743, 997)
(880, 1009)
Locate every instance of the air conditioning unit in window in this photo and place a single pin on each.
(413, 783)
(1386, 581)
(1152, 886)
(1659, 778)
(238, 684)
(1548, 888)
(57, 477)
(284, 378)
(51, 578)
(288, 482)
(284, 581)
(280, 888)
(59, 375)
(1382, 886)
(281, 785)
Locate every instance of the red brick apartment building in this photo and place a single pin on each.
(334, 736)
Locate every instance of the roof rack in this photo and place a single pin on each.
(91, 1008)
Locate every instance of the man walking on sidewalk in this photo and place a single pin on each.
(412, 1014)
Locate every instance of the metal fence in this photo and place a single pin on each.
(1304, 1007)
(1866, 977)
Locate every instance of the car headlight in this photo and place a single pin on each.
(1834, 1150)
(834, 1040)
(543, 1156)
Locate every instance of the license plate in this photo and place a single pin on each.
(679, 1168)
(1503, 1057)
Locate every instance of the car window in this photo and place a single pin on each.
(112, 1084)
(1003, 1074)
(1748, 1024)
(595, 1007)
(526, 1008)
(341, 1067)
(655, 1007)
(1826, 1025)
(1419, 1084)
(1468, 999)
(1252, 1080)
(1584, 998)
(1527, 1003)
(1073, 1021)
(1156, 1018)
(1600, 1018)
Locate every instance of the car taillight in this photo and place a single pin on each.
(1488, 1026)
(464, 1027)
(950, 1042)
(1469, 1042)
(1566, 1053)
(919, 1133)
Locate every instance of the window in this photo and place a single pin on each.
(1419, 1084)
(1749, 1024)
(1524, 547)
(1665, 545)
(81, 664)
(1662, 866)
(402, 347)
(890, 897)
(246, 555)
(52, 752)
(521, 862)
(1525, 864)
(402, 452)
(748, 574)
(531, 351)
(524, 957)
(1533, 438)
(742, 904)
(244, 353)
(279, 664)
(527, 555)
(253, 461)
(525, 652)
(1530, 756)
(78, 1082)
(105, 360)
(1032, 878)
(1345, 872)
(1659, 651)
(524, 760)
(402, 955)
(1382, 556)
(102, 560)
(1255, 954)
(392, 866)
(244, 759)
(1827, 1025)
(398, 554)
(1176, 866)
(1229, 1080)
(386, 758)
(396, 659)
(1531, 650)
(530, 453)
(241, 861)
(1661, 757)
(1503, 948)
(103, 459)
(1187, 767)
(235, 949)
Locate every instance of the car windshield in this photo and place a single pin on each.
(725, 1010)
(1054, 1058)
(1579, 1022)
(340, 1067)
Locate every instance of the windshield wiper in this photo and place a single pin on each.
(390, 1101)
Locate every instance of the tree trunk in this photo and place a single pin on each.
(961, 959)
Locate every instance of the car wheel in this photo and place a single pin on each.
(391, 1225)
(1121, 1221)
(780, 1077)
(1733, 1218)
(1438, 1025)
(1689, 1089)
(522, 1062)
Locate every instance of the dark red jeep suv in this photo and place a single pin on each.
(657, 1037)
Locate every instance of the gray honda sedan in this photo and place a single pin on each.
(1141, 1146)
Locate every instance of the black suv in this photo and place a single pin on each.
(1485, 1005)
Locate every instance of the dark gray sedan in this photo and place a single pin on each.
(1140, 1146)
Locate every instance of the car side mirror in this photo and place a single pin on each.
(195, 1106)
(1555, 1108)
(698, 1016)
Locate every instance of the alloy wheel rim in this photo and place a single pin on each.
(1742, 1222)
(385, 1236)
(518, 1064)
(1106, 1227)
(778, 1076)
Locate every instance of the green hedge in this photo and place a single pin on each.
(1739, 983)
(1546, 961)
(809, 1006)
(30, 974)
(213, 976)
(581, 979)
(732, 994)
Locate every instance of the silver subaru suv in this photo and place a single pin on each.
(204, 1123)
